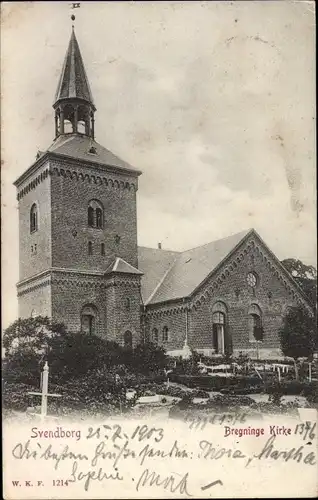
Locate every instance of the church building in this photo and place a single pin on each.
(81, 265)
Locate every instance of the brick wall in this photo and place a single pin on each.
(70, 199)
(123, 305)
(36, 303)
(31, 263)
(270, 295)
(176, 323)
(71, 293)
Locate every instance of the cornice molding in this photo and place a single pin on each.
(65, 271)
(31, 288)
(79, 173)
(37, 179)
(58, 161)
(76, 278)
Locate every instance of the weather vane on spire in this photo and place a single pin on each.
(74, 6)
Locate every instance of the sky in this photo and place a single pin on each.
(213, 101)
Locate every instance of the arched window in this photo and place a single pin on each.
(102, 249)
(95, 214)
(155, 335)
(218, 327)
(128, 339)
(255, 328)
(90, 216)
(127, 303)
(89, 319)
(165, 334)
(99, 218)
(90, 248)
(33, 218)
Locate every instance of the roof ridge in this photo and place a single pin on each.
(245, 232)
(161, 249)
(151, 296)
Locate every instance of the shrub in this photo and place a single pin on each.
(15, 397)
(147, 358)
(298, 333)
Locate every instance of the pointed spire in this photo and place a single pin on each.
(73, 81)
(74, 106)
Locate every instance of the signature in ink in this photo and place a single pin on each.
(92, 475)
(174, 483)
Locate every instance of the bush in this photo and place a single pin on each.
(298, 334)
(15, 397)
(29, 342)
(147, 358)
(293, 387)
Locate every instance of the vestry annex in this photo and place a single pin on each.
(80, 263)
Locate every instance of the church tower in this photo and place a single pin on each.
(78, 224)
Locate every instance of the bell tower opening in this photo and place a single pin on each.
(74, 106)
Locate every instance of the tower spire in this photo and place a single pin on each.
(74, 105)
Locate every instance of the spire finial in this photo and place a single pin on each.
(74, 6)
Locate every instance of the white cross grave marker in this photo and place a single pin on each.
(44, 392)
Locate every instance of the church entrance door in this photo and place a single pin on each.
(218, 339)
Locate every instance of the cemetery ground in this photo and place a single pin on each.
(189, 387)
(48, 371)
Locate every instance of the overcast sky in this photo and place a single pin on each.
(213, 101)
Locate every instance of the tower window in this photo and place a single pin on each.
(95, 214)
(99, 218)
(90, 248)
(127, 304)
(90, 214)
(155, 336)
(102, 249)
(165, 334)
(33, 218)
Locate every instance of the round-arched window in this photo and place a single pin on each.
(255, 327)
(95, 214)
(219, 312)
(33, 218)
(155, 335)
(165, 334)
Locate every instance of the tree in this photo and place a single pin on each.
(298, 334)
(148, 357)
(305, 276)
(27, 342)
(76, 354)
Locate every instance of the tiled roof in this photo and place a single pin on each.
(173, 275)
(154, 263)
(121, 266)
(78, 146)
(73, 80)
